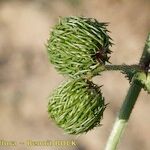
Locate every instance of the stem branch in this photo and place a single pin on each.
(128, 103)
(123, 116)
(122, 67)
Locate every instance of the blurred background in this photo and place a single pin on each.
(27, 78)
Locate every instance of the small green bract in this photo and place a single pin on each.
(79, 46)
(77, 106)
(144, 80)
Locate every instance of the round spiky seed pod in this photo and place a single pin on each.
(79, 46)
(77, 106)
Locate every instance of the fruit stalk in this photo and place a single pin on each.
(128, 103)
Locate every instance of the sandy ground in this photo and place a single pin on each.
(26, 77)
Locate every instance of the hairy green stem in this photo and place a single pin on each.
(124, 115)
(128, 103)
(123, 67)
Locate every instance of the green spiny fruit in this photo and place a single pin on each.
(79, 46)
(77, 106)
